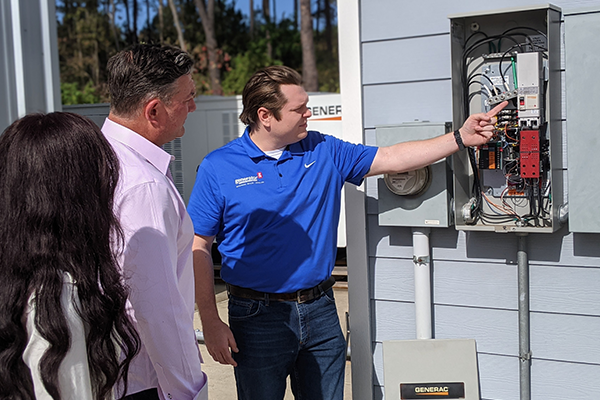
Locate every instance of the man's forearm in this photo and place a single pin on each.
(204, 280)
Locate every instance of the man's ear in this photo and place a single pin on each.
(264, 117)
(154, 112)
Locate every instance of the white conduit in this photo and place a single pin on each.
(18, 57)
(422, 282)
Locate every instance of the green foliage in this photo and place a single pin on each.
(87, 40)
(286, 50)
(70, 94)
(328, 64)
(243, 66)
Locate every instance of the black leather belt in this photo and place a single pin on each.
(301, 296)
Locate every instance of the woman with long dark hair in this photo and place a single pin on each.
(64, 330)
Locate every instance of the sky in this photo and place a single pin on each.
(279, 8)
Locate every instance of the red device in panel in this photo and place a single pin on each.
(530, 154)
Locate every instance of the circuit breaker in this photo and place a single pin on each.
(513, 182)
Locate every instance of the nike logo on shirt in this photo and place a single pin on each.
(309, 165)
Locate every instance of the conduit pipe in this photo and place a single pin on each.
(524, 349)
(422, 282)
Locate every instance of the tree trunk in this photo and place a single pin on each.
(267, 15)
(328, 31)
(135, 27)
(177, 26)
(127, 18)
(251, 19)
(207, 15)
(111, 16)
(161, 22)
(148, 16)
(310, 76)
(296, 14)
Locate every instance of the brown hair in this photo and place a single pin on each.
(264, 90)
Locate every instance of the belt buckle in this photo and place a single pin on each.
(300, 298)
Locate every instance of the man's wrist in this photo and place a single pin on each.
(458, 139)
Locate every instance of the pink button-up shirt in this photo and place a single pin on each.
(157, 266)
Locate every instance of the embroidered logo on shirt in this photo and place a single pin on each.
(309, 165)
(249, 180)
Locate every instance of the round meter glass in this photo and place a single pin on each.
(409, 183)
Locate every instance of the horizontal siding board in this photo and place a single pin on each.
(405, 60)
(496, 331)
(393, 104)
(569, 290)
(393, 279)
(564, 248)
(565, 337)
(388, 241)
(498, 376)
(378, 364)
(475, 284)
(385, 19)
(559, 381)
(394, 321)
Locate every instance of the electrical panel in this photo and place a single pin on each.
(513, 182)
(418, 198)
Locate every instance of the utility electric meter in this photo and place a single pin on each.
(409, 183)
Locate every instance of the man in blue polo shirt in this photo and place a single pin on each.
(272, 200)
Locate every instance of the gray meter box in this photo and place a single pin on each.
(430, 208)
(430, 369)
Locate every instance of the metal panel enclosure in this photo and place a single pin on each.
(430, 208)
(514, 182)
(582, 53)
(431, 364)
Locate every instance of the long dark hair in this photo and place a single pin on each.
(57, 180)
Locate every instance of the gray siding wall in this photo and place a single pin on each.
(406, 76)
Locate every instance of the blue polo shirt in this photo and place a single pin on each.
(276, 220)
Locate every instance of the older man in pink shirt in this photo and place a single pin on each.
(152, 92)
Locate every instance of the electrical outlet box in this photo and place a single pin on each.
(427, 203)
(514, 182)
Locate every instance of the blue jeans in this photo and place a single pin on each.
(281, 338)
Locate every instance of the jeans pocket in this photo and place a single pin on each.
(329, 295)
(240, 308)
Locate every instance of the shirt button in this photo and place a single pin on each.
(169, 395)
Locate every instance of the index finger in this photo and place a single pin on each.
(496, 110)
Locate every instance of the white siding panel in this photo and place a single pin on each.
(565, 337)
(564, 248)
(396, 103)
(565, 290)
(496, 331)
(498, 377)
(394, 321)
(407, 60)
(560, 381)
(474, 284)
(475, 247)
(388, 241)
(393, 279)
(384, 19)
(378, 364)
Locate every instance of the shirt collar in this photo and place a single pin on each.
(139, 144)
(256, 154)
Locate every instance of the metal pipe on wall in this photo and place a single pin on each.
(524, 349)
(422, 270)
